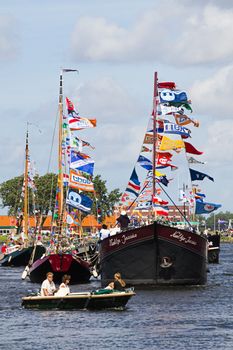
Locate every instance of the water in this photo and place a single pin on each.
(174, 318)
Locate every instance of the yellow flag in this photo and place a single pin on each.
(169, 144)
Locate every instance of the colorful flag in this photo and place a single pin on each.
(145, 163)
(191, 149)
(70, 106)
(80, 182)
(143, 205)
(82, 162)
(169, 144)
(182, 196)
(125, 197)
(171, 128)
(166, 85)
(170, 109)
(158, 200)
(160, 210)
(182, 119)
(162, 158)
(79, 201)
(134, 184)
(197, 175)
(80, 123)
(145, 149)
(149, 139)
(205, 208)
(168, 95)
(192, 160)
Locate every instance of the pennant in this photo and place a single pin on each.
(182, 119)
(134, 184)
(169, 144)
(79, 201)
(82, 162)
(80, 123)
(168, 95)
(166, 85)
(171, 128)
(158, 200)
(148, 139)
(197, 175)
(191, 149)
(192, 160)
(80, 182)
(205, 208)
(145, 163)
(145, 149)
(169, 109)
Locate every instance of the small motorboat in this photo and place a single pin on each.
(96, 300)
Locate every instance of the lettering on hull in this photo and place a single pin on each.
(181, 238)
(116, 241)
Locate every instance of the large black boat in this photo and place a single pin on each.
(22, 256)
(155, 255)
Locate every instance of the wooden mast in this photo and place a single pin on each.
(154, 114)
(60, 172)
(25, 212)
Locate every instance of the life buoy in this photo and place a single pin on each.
(166, 262)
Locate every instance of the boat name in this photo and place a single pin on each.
(123, 240)
(181, 238)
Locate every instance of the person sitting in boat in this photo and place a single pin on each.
(123, 220)
(64, 288)
(118, 283)
(104, 232)
(48, 287)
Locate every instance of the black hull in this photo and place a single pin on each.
(78, 301)
(22, 257)
(76, 268)
(155, 255)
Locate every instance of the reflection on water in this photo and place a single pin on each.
(173, 318)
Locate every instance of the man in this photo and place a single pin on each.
(48, 287)
(123, 220)
(104, 232)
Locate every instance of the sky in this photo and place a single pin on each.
(117, 46)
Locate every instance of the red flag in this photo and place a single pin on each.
(163, 158)
(70, 106)
(167, 85)
(191, 149)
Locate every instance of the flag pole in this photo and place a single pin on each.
(25, 213)
(154, 114)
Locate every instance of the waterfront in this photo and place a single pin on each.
(173, 318)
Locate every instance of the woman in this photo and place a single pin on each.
(118, 283)
(64, 288)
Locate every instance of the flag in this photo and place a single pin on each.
(168, 95)
(169, 144)
(69, 70)
(145, 205)
(80, 182)
(205, 208)
(125, 197)
(65, 178)
(182, 196)
(145, 149)
(77, 143)
(80, 123)
(144, 162)
(82, 162)
(171, 128)
(148, 139)
(134, 184)
(158, 200)
(182, 119)
(70, 106)
(162, 158)
(79, 201)
(192, 160)
(169, 109)
(160, 210)
(191, 149)
(166, 85)
(197, 175)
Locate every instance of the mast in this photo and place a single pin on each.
(154, 114)
(60, 173)
(25, 212)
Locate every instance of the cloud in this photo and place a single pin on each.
(177, 35)
(9, 38)
(213, 95)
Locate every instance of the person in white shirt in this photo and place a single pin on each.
(104, 232)
(48, 287)
(64, 287)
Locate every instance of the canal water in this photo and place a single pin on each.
(171, 318)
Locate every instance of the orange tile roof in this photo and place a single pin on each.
(90, 221)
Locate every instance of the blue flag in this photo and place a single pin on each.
(172, 128)
(205, 208)
(134, 184)
(197, 175)
(82, 162)
(79, 201)
(145, 163)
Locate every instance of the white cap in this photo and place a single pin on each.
(123, 212)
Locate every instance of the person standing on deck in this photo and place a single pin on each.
(123, 220)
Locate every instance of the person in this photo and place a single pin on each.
(64, 288)
(118, 283)
(104, 232)
(48, 287)
(4, 248)
(123, 220)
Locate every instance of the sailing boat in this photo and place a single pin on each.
(156, 253)
(29, 251)
(62, 259)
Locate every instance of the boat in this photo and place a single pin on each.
(213, 249)
(97, 300)
(30, 249)
(157, 252)
(75, 170)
